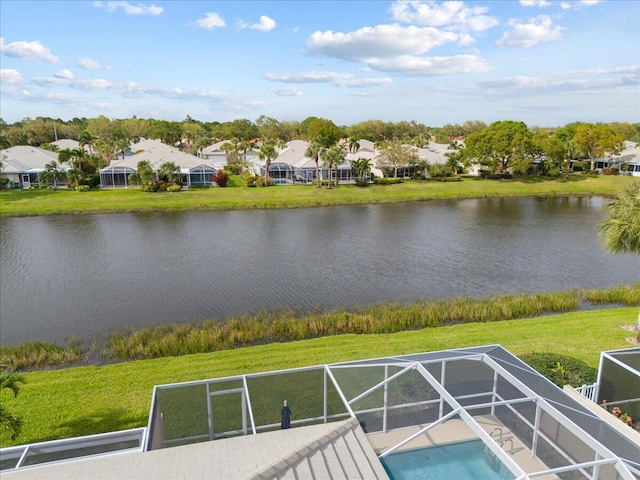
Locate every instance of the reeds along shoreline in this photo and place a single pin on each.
(267, 327)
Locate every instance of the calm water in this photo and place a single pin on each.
(78, 274)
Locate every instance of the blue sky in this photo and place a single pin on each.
(544, 62)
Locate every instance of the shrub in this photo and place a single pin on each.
(174, 188)
(561, 369)
(235, 168)
(4, 183)
(221, 178)
(386, 181)
(495, 176)
(82, 188)
(610, 171)
(362, 183)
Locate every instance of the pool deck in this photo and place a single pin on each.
(458, 431)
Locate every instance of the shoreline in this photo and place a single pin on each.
(39, 202)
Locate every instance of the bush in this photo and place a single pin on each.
(174, 188)
(610, 171)
(495, 176)
(561, 369)
(92, 181)
(235, 168)
(4, 183)
(221, 178)
(82, 188)
(362, 183)
(386, 181)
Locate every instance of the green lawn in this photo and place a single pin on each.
(45, 202)
(86, 400)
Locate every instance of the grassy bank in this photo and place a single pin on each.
(284, 326)
(48, 202)
(87, 400)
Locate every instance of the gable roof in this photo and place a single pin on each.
(159, 154)
(23, 158)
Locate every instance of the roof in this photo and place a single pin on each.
(23, 158)
(327, 450)
(159, 153)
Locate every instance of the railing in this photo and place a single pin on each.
(588, 391)
(71, 448)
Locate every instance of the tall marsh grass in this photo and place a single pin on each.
(182, 339)
(39, 354)
(284, 326)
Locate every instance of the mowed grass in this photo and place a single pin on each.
(48, 202)
(87, 400)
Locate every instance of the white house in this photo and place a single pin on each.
(195, 171)
(22, 164)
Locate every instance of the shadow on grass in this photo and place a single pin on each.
(106, 421)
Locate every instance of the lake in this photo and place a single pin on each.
(78, 274)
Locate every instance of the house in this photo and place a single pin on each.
(195, 171)
(358, 420)
(22, 164)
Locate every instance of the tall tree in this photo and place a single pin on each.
(9, 422)
(620, 231)
(396, 154)
(596, 140)
(501, 146)
(333, 157)
(315, 151)
(267, 153)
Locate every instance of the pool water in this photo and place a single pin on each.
(454, 461)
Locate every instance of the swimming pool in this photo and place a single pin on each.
(459, 461)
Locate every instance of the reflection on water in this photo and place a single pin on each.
(78, 274)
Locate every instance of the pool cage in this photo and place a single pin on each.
(410, 396)
(618, 382)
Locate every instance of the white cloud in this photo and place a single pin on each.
(266, 24)
(535, 3)
(539, 30)
(381, 41)
(431, 66)
(574, 81)
(64, 74)
(397, 49)
(450, 14)
(286, 92)
(211, 20)
(9, 76)
(579, 4)
(128, 8)
(90, 64)
(28, 51)
(345, 80)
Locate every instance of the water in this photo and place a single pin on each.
(79, 274)
(459, 461)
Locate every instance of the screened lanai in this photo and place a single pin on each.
(525, 426)
(618, 382)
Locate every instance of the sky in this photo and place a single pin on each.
(543, 62)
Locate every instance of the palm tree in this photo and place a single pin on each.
(8, 421)
(620, 231)
(86, 138)
(170, 171)
(362, 168)
(51, 174)
(354, 145)
(143, 175)
(315, 151)
(333, 157)
(267, 153)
